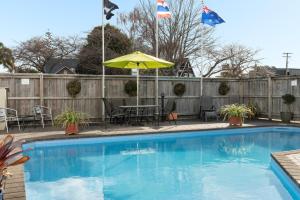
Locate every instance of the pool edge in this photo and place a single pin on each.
(284, 173)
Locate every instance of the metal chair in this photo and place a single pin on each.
(43, 113)
(9, 115)
(114, 114)
(207, 109)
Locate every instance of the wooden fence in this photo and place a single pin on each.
(27, 90)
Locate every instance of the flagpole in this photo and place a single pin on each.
(156, 70)
(103, 59)
(201, 67)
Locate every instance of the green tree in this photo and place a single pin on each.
(90, 56)
(7, 58)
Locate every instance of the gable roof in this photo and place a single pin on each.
(56, 65)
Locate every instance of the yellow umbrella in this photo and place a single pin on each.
(138, 60)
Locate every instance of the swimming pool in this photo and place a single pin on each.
(207, 165)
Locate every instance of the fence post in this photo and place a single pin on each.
(269, 97)
(41, 89)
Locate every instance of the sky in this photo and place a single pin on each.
(272, 26)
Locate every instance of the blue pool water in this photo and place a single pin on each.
(210, 165)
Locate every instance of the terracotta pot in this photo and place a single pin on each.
(172, 116)
(71, 129)
(235, 121)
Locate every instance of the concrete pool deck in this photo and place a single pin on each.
(15, 188)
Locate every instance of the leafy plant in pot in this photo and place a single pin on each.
(235, 113)
(70, 121)
(11, 154)
(288, 99)
(173, 115)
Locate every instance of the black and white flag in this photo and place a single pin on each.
(108, 8)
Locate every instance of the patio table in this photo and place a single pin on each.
(27, 120)
(143, 113)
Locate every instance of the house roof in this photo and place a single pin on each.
(292, 71)
(56, 65)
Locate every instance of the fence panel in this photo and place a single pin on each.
(25, 92)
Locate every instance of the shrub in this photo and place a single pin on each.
(11, 154)
(235, 110)
(74, 88)
(131, 88)
(224, 88)
(254, 109)
(70, 117)
(179, 89)
(288, 99)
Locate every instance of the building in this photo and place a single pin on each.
(184, 69)
(61, 66)
(290, 71)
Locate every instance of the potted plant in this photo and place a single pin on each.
(288, 99)
(255, 110)
(70, 121)
(173, 115)
(235, 113)
(10, 155)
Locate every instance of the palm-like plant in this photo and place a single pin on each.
(7, 58)
(10, 155)
(235, 110)
(71, 117)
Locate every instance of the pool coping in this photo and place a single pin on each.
(108, 134)
(15, 187)
(289, 168)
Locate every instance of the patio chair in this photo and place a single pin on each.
(169, 110)
(113, 113)
(43, 113)
(207, 109)
(9, 115)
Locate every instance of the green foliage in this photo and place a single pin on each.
(224, 88)
(11, 154)
(254, 109)
(235, 110)
(116, 44)
(179, 89)
(7, 58)
(71, 117)
(131, 88)
(74, 88)
(288, 99)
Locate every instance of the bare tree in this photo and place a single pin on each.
(36, 52)
(182, 36)
(232, 60)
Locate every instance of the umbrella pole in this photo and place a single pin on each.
(137, 91)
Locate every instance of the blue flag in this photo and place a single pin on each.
(210, 17)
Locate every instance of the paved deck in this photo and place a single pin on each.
(289, 161)
(15, 185)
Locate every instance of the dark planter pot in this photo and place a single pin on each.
(72, 129)
(286, 117)
(235, 121)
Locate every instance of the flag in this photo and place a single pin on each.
(210, 17)
(163, 10)
(108, 8)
